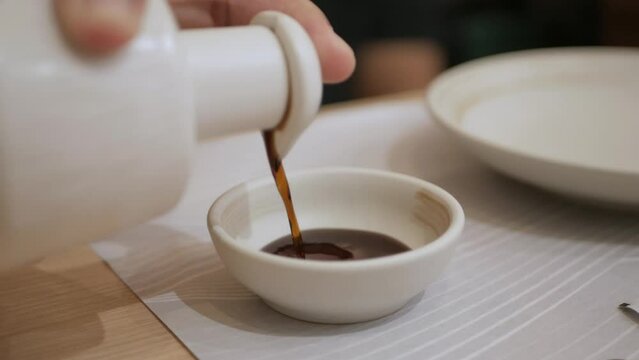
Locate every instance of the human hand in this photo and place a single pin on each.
(101, 27)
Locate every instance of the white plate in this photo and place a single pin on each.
(564, 119)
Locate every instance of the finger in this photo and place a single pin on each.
(336, 57)
(192, 14)
(99, 26)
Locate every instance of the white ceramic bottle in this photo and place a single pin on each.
(89, 146)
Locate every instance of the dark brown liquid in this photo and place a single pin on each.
(275, 161)
(338, 244)
(321, 244)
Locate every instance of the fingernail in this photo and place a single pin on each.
(117, 12)
(109, 24)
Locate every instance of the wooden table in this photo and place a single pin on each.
(72, 305)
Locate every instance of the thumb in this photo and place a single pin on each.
(99, 26)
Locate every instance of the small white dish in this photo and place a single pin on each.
(563, 119)
(419, 214)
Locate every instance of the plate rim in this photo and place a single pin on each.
(489, 61)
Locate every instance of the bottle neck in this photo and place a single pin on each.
(263, 76)
(239, 78)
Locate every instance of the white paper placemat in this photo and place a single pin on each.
(535, 276)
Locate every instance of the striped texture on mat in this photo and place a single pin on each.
(535, 276)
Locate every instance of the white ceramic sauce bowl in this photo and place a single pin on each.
(419, 214)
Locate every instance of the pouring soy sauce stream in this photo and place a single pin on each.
(275, 162)
(344, 244)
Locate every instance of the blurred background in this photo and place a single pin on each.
(402, 45)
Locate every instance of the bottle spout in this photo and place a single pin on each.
(265, 76)
(239, 79)
(305, 78)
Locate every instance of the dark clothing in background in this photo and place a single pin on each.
(486, 27)
(465, 29)
(361, 21)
